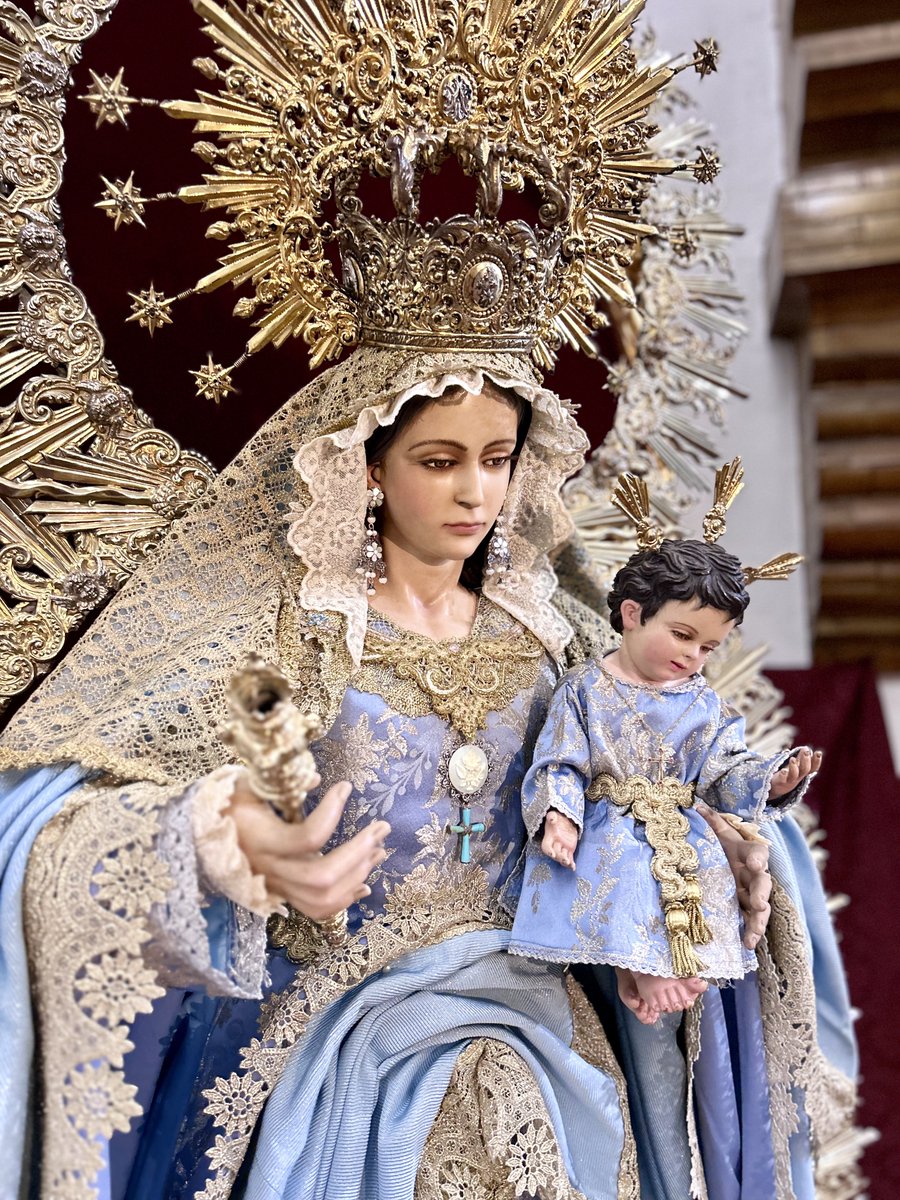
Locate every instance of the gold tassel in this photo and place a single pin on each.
(698, 930)
(685, 962)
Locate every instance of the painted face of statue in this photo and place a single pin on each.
(445, 477)
(672, 644)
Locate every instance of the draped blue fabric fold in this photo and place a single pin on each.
(28, 800)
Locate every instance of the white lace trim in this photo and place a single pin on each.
(221, 861)
(327, 534)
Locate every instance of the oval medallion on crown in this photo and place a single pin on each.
(456, 96)
(484, 285)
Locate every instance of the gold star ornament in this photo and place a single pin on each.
(706, 57)
(707, 165)
(122, 202)
(109, 100)
(213, 381)
(151, 309)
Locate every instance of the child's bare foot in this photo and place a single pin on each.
(662, 995)
(560, 838)
(631, 997)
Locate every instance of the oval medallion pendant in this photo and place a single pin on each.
(468, 769)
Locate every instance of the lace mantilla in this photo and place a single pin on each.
(459, 679)
(141, 694)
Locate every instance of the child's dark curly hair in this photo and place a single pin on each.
(680, 571)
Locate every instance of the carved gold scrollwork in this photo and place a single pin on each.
(87, 484)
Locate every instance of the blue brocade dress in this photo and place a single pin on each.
(421, 1060)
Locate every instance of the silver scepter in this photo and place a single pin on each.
(270, 735)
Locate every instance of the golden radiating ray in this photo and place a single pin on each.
(96, 469)
(606, 224)
(223, 115)
(608, 283)
(16, 361)
(633, 100)
(245, 261)
(10, 58)
(781, 567)
(67, 517)
(18, 445)
(576, 332)
(496, 19)
(234, 192)
(246, 43)
(374, 14)
(606, 39)
(321, 25)
(288, 318)
(47, 552)
(550, 17)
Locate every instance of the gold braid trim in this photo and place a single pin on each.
(674, 865)
(461, 680)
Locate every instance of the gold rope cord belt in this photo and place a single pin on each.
(674, 865)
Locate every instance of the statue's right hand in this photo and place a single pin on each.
(289, 855)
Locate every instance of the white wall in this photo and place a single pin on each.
(747, 105)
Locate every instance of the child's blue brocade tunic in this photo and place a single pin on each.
(608, 910)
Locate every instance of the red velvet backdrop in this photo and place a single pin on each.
(857, 797)
(836, 708)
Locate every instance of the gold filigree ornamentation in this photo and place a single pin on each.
(461, 680)
(729, 482)
(87, 484)
(631, 496)
(309, 97)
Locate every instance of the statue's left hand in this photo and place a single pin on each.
(749, 862)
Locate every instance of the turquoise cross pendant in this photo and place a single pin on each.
(465, 829)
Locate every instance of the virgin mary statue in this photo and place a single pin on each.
(182, 1016)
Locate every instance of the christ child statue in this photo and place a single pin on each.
(622, 867)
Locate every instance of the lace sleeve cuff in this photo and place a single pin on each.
(220, 859)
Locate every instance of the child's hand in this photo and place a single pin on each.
(560, 838)
(804, 762)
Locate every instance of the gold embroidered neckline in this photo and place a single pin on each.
(460, 679)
